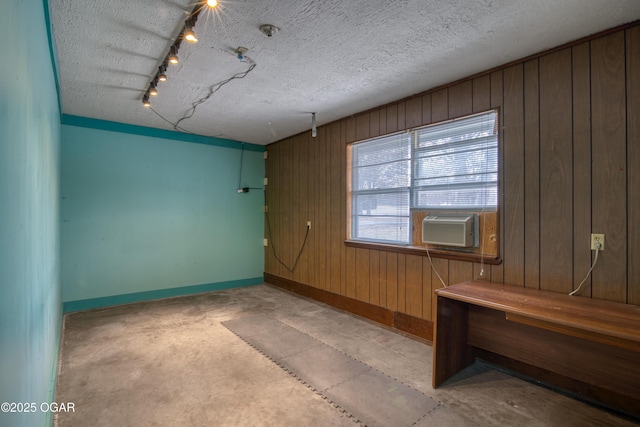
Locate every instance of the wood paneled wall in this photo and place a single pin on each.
(569, 166)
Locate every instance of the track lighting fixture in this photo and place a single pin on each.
(162, 76)
(173, 55)
(190, 36)
(187, 34)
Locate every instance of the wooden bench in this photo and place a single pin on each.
(588, 346)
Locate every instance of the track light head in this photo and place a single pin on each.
(190, 36)
(173, 55)
(212, 3)
(145, 101)
(152, 90)
(162, 76)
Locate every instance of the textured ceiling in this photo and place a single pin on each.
(333, 57)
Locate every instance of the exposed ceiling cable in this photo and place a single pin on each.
(213, 89)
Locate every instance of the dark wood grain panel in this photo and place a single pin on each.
(439, 267)
(451, 353)
(362, 274)
(556, 173)
(633, 161)
(348, 284)
(427, 290)
(581, 163)
(439, 106)
(496, 99)
(413, 112)
(335, 212)
(374, 123)
(460, 99)
(402, 112)
(531, 175)
(514, 174)
(319, 154)
(392, 118)
(413, 286)
(402, 282)
(304, 211)
(609, 175)
(362, 126)
(426, 109)
(460, 271)
(392, 281)
(374, 277)
(383, 121)
(350, 129)
(481, 93)
(383, 279)
(283, 243)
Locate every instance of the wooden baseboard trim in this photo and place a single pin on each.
(402, 322)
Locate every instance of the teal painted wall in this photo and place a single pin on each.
(30, 308)
(141, 213)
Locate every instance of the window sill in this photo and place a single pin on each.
(419, 250)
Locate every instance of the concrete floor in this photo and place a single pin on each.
(171, 363)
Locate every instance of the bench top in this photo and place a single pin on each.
(551, 308)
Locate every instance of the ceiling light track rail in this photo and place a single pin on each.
(187, 33)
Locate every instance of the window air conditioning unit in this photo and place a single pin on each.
(450, 230)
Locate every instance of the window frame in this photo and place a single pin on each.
(411, 245)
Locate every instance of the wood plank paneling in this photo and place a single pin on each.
(427, 292)
(334, 222)
(569, 165)
(348, 256)
(383, 279)
(460, 271)
(413, 115)
(402, 119)
(581, 165)
(609, 173)
(362, 127)
(481, 93)
(392, 118)
(320, 204)
(497, 271)
(460, 99)
(440, 267)
(531, 175)
(426, 109)
(556, 173)
(392, 281)
(374, 277)
(439, 106)
(362, 274)
(514, 172)
(402, 283)
(413, 286)
(633, 162)
(374, 123)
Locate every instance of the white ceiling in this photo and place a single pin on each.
(333, 57)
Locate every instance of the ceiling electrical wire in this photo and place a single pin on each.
(213, 89)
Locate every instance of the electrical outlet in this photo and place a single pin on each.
(309, 225)
(597, 238)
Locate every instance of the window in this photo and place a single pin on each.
(450, 166)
